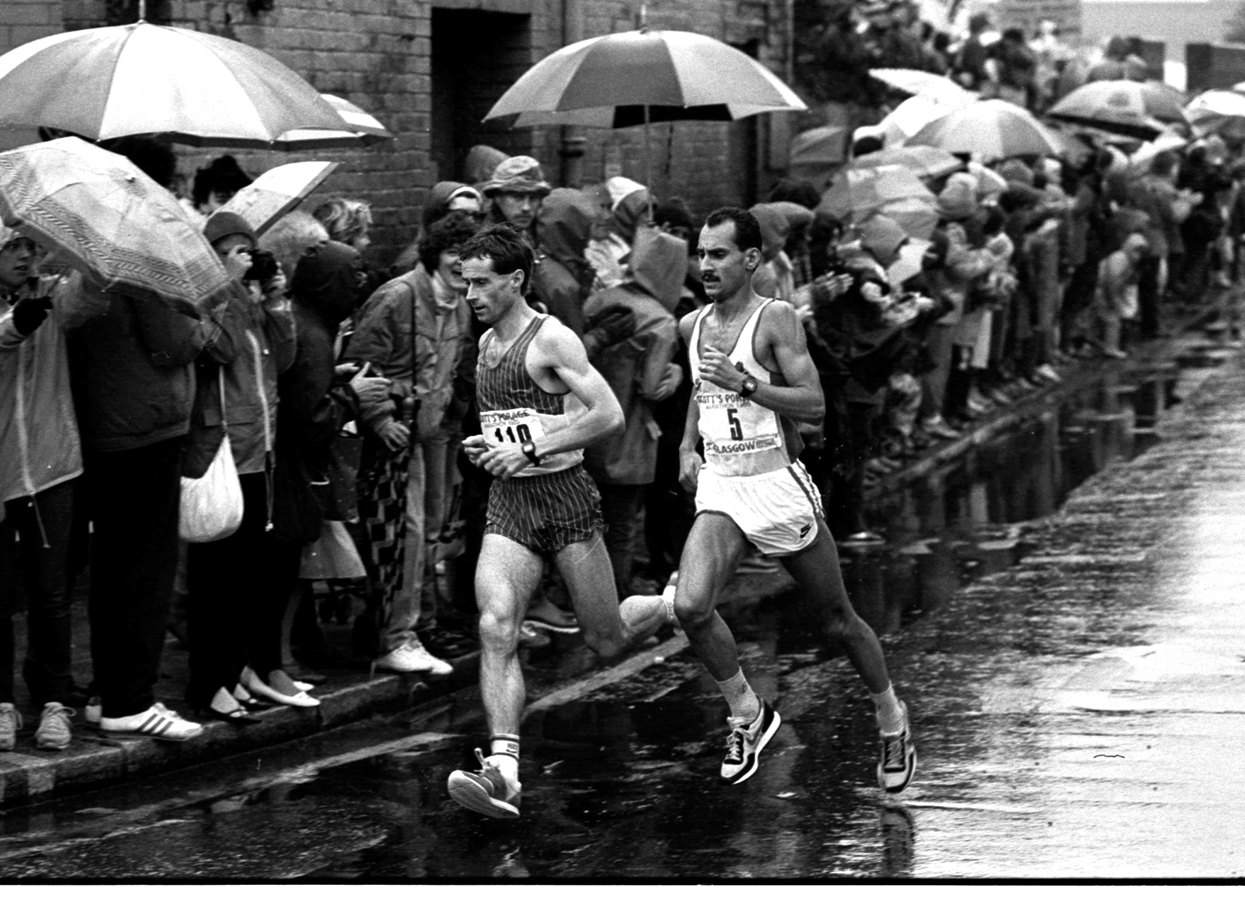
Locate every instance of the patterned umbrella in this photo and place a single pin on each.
(991, 129)
(1140, 109)
(107, 218)
(193, 87)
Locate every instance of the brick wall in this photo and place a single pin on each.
(379, 54)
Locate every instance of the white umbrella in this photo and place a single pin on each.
(991, 129)
(190, 86)
(362, 129)
(929, 85)
(276, 192)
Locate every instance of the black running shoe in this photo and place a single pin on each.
(745, 743)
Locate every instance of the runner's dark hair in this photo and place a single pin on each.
(506, 247)
(747, 228)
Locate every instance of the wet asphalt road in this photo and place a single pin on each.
(1077, 686)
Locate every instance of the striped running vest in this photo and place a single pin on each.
(514, 408)
(740, 437)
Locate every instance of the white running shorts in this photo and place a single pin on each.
(777, 511)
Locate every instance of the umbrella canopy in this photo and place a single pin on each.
(276, 192)
(106, 217)
(929, 85)
(191, 86)
(647, 68)
(856, 194)
(1139, 109)
(1218, 111)
(362, 130)
(817, 153)
(991, 129)
(909, 117)
(921, 160)
(630, 116)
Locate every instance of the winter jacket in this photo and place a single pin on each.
(257, 345)
(564, 228)
(414, 330)
(39, 443)
(133, 382)
(640, 370)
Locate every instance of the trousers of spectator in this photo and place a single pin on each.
(620, 508)
(849, 445)
(408, 608)
(39, 562)
(441, 492)
(132, 498)
(1076, 300)
(225, 598)
(1149, 295)
(939, 344)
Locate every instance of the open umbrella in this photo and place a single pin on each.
(991, 129)
(1222, 112)
(909, 117)
(817, 153)
(361, 130)
(190, 86)
(276, 192)
(106, 217)
(921, 160)
(929, 85)
(1140, 109)
(857, 194)
(645, 76)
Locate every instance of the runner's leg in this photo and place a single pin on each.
(608, 628)
(713, 550)
(816, 570)
(506, 577)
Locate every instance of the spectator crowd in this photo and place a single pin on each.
(345, 386)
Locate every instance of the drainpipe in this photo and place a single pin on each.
(573, 142)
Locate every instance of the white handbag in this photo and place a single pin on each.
(211, 506)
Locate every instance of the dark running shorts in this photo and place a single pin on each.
(545, 512)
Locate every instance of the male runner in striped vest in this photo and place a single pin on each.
(753, 381)
(540, 404)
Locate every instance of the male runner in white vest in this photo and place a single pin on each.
(540, 404)
(753, 381)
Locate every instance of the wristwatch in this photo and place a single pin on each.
(529, 450)
(748, 388)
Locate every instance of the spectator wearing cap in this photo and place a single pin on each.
(40, 460)
(515, 192)
(236, 396)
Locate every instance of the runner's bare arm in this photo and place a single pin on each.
(558, 351)
(781, 336)
(689, 460)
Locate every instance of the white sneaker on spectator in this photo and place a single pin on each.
(412, 657)
(157, 722)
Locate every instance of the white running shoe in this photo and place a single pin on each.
(898, 762)
(745, 743)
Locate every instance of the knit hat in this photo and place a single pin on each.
(221, 224)
(517, 175)
(9, 235)
(881, 236)
(958, 200)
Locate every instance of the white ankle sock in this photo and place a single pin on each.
(504, 753)
(890, 713)
(739, 695)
